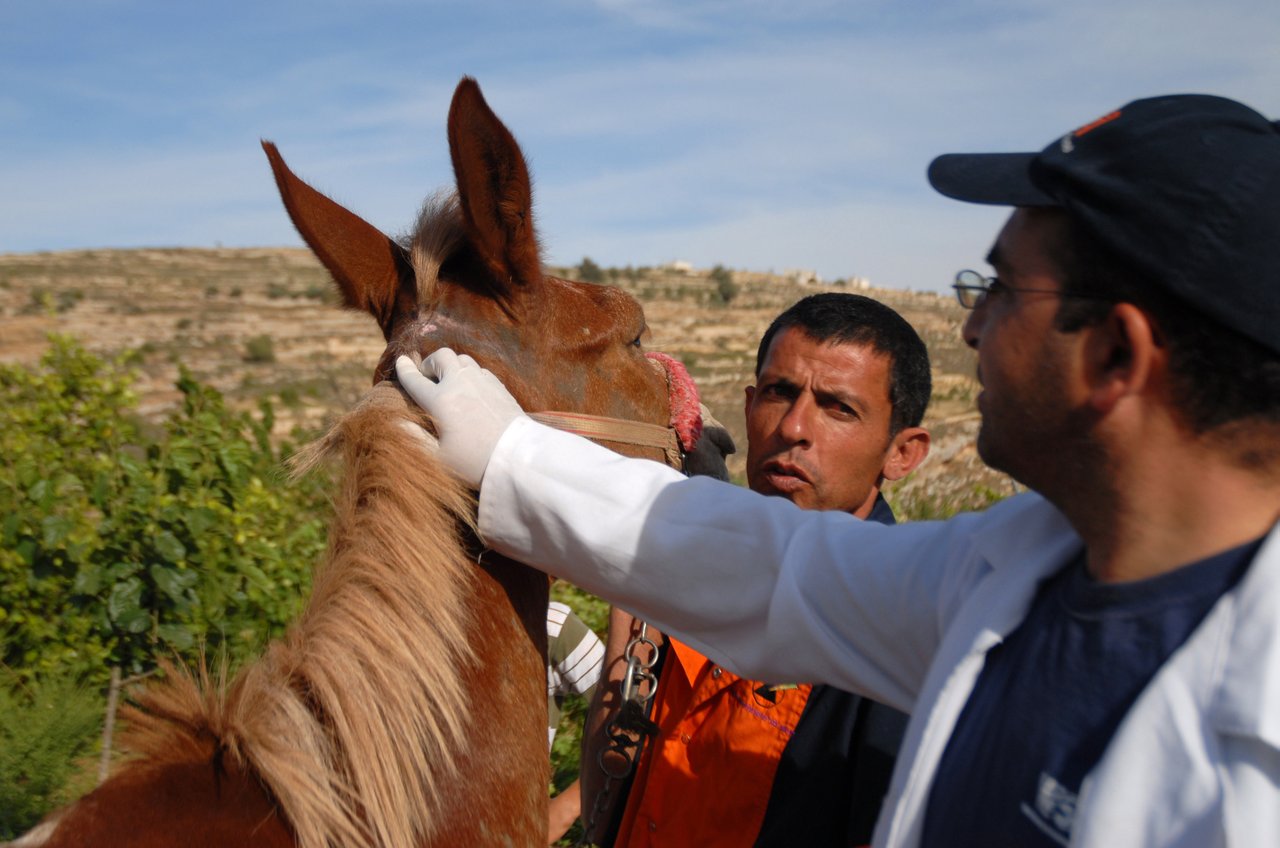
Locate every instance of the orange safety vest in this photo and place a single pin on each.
(705, 779)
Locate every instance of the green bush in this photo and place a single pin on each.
(726, 288)
(566, 748)
(590, 272)
(45, 727)
(117, 546)
(323, 292)
(61, 428)
(260, 350)
(922, 505)
(39, 302)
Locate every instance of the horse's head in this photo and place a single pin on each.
(470, 278)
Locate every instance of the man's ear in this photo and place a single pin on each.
(906, 451)
(1121, 353)
(749, 393)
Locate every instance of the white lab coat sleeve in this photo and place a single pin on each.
(771, 591)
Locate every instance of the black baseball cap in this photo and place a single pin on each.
(1185, 187)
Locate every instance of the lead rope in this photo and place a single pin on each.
(629, 727)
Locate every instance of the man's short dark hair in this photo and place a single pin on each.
(1218, 376)
(841, 318)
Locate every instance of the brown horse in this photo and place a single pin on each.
(406, 706)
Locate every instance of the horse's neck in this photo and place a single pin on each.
(405, 707)
(382, 650)
(447, 658)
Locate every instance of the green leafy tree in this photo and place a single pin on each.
(726, 288)
(590, 272)
(117, 546)
(47, 499)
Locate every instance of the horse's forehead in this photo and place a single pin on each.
(553, 309)
(488, 341)
(606, 302)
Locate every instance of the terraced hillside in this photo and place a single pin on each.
(264, 322)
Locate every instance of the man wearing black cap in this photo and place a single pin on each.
(1094, 663)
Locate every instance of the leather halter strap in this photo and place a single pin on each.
(618, 430)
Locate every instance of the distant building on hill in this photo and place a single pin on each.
(803, 276)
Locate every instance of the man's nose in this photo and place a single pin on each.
(972, 329)
(796, 425)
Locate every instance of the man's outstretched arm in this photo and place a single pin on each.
(762, 587)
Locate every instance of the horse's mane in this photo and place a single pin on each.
(437, 235)
(352, 720)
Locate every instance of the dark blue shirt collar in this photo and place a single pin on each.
(881, 513)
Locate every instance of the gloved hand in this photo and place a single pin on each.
(471, 408)
(715, 443)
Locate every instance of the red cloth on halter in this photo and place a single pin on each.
(686, 416)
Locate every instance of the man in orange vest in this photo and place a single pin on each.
(842, 383)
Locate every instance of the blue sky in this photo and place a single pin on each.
(759, 135)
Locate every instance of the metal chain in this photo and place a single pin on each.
(628, 728)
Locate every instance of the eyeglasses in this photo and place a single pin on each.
(973, 288)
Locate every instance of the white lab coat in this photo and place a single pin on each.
(904, 615)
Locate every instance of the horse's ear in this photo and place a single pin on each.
(371, 270)
(493, 189)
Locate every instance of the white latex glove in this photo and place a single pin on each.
(471, 408)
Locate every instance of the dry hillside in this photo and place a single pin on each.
(263, 322)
